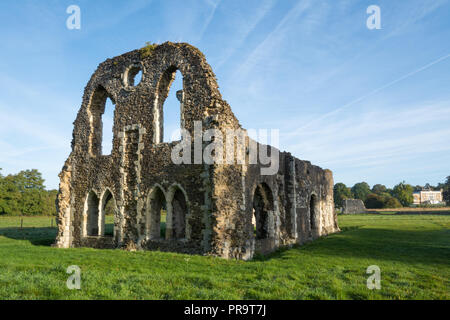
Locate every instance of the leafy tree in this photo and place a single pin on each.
(9, 196)
(361, 190)
(29, 180)
(446, 190)
(404, 193)
(392, 203)
(385, 196)
(379, 188)
(50, 203)
(374, 201)
(24, 193)
(341, 192)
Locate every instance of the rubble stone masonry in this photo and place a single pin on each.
(226, 210)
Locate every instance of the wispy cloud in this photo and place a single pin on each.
(378, 137)
(371, 93)
(214, 5)
(34, 130)
(119, 14)
(271, 41)
(416, 11)
(245, 29)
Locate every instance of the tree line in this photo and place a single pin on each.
(379, 196)
(24, 193)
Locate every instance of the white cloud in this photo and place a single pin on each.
(208, 20)
(374, 138)
(273, 39)
(245, 29)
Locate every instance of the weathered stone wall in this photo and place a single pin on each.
(217, 203)
(353, 206)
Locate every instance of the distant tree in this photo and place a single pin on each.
(341, 192)
(9, 196)
(50, 206)
(446, 190)
(392, 203)
(361, 190)
(404, 193)
(379, 188)
(446, 196)
(24, 194)
(29, 180)
(374, 201)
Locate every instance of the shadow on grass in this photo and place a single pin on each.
(405, 212)
(411, 246)
(279, 253)
(44, 236)
(351, 228)
(40, 236)
(406, 246)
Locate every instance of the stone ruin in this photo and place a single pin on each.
(225, 210)
(353, 206)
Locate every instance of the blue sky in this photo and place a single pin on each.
(371, 105)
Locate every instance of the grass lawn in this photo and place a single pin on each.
(412, 251)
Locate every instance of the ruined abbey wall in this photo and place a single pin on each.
(211, 208)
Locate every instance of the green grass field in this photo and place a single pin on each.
(412, 251)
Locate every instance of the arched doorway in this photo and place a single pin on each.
(179, 209)
(156, 214)
(108, 212)
(92, 221)
(262, 206)
(312, 212)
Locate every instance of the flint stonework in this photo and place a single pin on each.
(226, 210)
(353, 206)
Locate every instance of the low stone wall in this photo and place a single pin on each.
(353, 206)
(98, 242)
(180, 246)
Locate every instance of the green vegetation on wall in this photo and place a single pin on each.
(147, 50)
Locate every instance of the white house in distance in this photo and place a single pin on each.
(427, 196)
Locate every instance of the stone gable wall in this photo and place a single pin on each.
(218, 198)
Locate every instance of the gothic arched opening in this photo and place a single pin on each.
(156, 214)
(101, 118)
(108, 214)
(312, 212)
(262, 205)
(179, 210)
(169, 106)
(92, 221)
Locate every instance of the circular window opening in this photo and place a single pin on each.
(133, 76)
